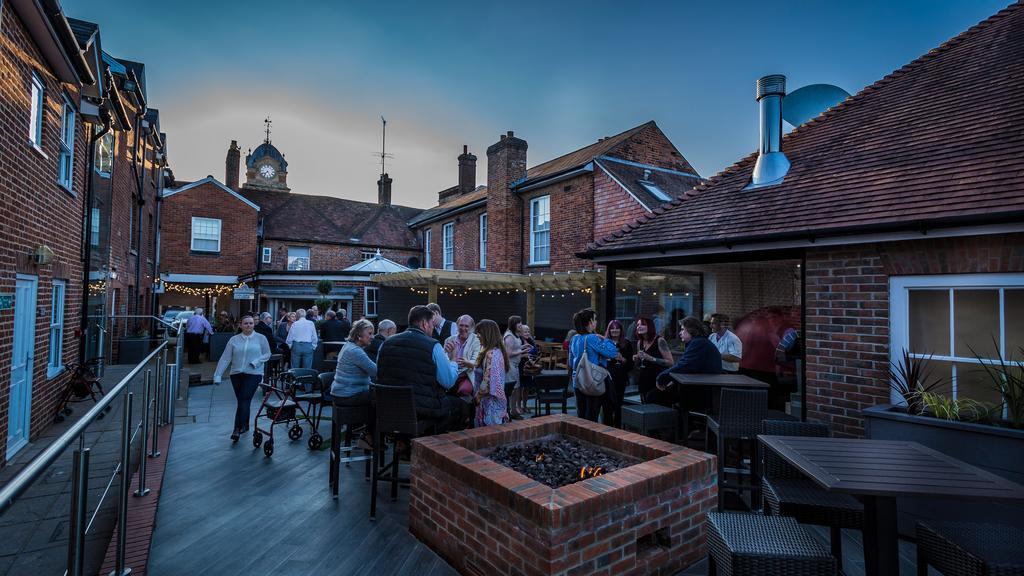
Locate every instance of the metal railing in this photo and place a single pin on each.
(158, 408)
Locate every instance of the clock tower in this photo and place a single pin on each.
(265, 167)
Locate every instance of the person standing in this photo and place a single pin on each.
(599, 351)
(464, 347)
(700, 356)
(619, 368)
(265, 327)
(489, 388)
(302, 341)
(414, 358)
(441, 329)
(728, 344)
(243, 359)
(343, 318)
(385, 329)
(652, 355)
(514, 349)
(197, 328)
(332, 330)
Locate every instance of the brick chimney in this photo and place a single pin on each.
(467, 171)
(384, 190)
(506, 163)
(231, 165)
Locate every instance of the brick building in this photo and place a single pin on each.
(899, 218)
(278, 242)
(535, 221)
(43, 157)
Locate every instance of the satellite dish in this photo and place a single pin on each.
(806, 103)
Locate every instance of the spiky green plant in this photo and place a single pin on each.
(1007, 378)
(911, 377)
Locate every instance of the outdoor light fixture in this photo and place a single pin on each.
(42, 255)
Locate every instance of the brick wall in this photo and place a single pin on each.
(238, 249)
(466, 241)
(35, 211)
(572, 224)
(613, 206)
(651, 146)
(330, 256)
(506, 163)
(847, 307)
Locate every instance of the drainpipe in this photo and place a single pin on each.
(155, 301)
(83, 325)
(140, 186)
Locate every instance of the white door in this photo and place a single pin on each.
(21, 364)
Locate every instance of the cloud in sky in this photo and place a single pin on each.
(561, 74)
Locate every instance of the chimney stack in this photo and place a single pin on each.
(772, 164)
(384, 190)
(467, 171)
(231, 165)
(506, 164)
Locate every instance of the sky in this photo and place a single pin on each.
(444, 74)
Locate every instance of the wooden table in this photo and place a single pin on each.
(876, 472)
(718, 380)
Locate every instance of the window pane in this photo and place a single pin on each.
(940, 369)
(929, 322)
(1013, 321)
(973, 382)
(976, 320)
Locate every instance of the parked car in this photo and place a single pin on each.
(178, 322)
(169, 315)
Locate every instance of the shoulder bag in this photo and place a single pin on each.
(589, 377)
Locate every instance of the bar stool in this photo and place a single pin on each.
(739, 420)
(646, 418)
(351, 417)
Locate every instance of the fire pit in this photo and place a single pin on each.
(557, 462)
(644, 514)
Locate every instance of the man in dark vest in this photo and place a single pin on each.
(333, 330)
(413, 358)
(440, 328)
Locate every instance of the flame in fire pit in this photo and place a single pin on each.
(590, 472)
(540, 457)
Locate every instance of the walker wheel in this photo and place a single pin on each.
(257, 439)
(315, 441)
(268, 448)
(295, 432)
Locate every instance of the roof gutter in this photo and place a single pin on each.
(524, 186)
(1009, 222)
(453, 212)
(67, 38)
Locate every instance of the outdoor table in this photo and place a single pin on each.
(876, 472)
(716, 381)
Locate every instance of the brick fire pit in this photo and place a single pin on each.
(485, 518)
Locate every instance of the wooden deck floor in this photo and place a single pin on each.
(227, 510)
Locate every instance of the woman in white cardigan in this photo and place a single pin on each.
(243, 358)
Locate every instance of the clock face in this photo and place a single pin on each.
(267, 171)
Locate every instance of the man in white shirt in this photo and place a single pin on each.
(302, 340)
(728, 344)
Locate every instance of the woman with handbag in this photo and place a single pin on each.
(589, 353)
(514, 349)
(619, 369)
(490, 400)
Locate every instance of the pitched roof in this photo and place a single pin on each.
(478, 193)
(332, 220)
(377, 265)
(184, 186)
(939, 141)
(651, 185)
(582, 156)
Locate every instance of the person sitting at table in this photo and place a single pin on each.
(489, 395)
(463, 349)
(700, 356)
(355, 370)
(652, 355)
(728, 344)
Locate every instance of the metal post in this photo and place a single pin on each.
(126, 480)
(154, 451)
(79, 497)
(142, 490)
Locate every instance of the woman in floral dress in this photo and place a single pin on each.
(491, 403)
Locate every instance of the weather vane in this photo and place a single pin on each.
(267, 122)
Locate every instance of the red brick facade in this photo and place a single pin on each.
(37, 211)
(331, 257)
(847, 307)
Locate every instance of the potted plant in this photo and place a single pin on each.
(962, 428)
(134, 347)
(324, 288)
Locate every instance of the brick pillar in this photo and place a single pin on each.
(231, 165)
(506, 163)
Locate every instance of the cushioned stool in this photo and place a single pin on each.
(645, 418)
(350, 417)
(742, 543)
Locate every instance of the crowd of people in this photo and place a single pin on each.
(468, 373)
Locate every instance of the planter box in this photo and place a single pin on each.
(134, 350)
(996, 450)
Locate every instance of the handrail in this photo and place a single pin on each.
(24, 479)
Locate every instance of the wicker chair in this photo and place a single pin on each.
(352, 418)
(395, 418)
(787, 492)
(751, 544)
(551, 389)
(969, 549)
(739, 419)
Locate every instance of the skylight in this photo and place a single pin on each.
(655, 191)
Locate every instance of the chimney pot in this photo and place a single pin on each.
(772, 165)
(384, 190)
(465, 149)
(511, 133)
(467, 175)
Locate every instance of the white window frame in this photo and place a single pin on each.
(104, 163)
(66, 158)
(536, 233)
(367, 255)
(899, 313)
(426, 248)
(94, 228)
(203, 221)
(267, 255)
(483, 241)
(448, 246)
(55, 363)
(37, 93)
(371, 294)
(293, 260)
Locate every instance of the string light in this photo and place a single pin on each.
(217, 290)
